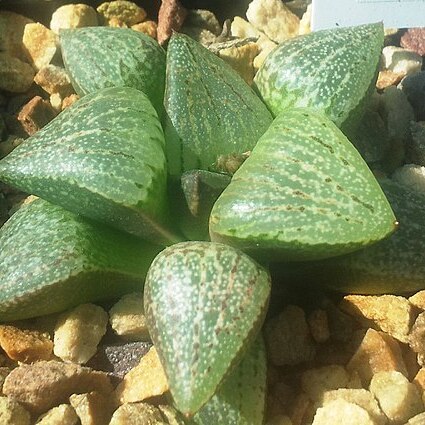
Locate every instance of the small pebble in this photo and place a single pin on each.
(414, 40)
(12, 413)
(15, 76)
(40, 44)
(64, 414)
(136, 414)
(341, 411)
(78, 333)
(69, 100)
(35, 115)
(412, 176)
(54, 79)
(203, 19)
(92, 408)
(413, 87)
(401, 61)
(148, 27)
(121, 10)
(73, 16)
(319, 327)
(170, 18)
(243, 29)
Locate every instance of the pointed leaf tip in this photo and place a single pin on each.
(304, 193)
(204, 303)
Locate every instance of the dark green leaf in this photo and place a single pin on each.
(304, 193)
(204, 303)
(52, 259)
(100, 57)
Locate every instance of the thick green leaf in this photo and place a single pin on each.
(330, 70)
(100, 57)
(240, 400)
(204, 303)
(52, 259)
(395, 265)
(304, 193)
(103, 158)
(213, 111)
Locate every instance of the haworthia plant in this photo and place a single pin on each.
(212, 110)
(103, 158)
(395, 265)
(204, 302)
(330, 70)
(100, 57)
(304, 193)
(52, 259)
(241, 398)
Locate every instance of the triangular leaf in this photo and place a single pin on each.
(330, 70)
(395, 265)
(52, 259)
(241, 398)
(213, 111)
(100, 57)
(204, 303)
(103, 158)
(304, 193)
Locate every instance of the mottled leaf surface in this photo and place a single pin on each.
(103, 158)
(329, 70)
(100, 57)
(394, 265)
(204, 302)
(213, 111)
(240, 400)
(52, 259)
(304, 193)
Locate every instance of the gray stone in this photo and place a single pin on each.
(416, 147)
(414, 88)
(203, 19)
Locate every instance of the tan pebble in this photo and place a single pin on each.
(315, 382)
(4, 372)
(418, 300)
(146, 380)
(127, 318)
(288, 338)
(56, 100)
(24, 345)
(417, 420)
(354, 381)
(69, 100)
(73, 16)
(399, 399)
(35, 115)
(125, 11)
(78, 332)
(148, 27)
(11, 32)
(274, 19)
(202, 18)
(40, 44)
(266, 47)
(419, 381)
(116, 23)
(387, 78)
(243, 29)
(401, 60)
(241, 59)
(12, 413)
(54, 79)
(15, 76)
(319, 327)
(360, 397)
(136, 414)
(417, 335)
(172, 416)
(305, 22)
(377, 352)
(92, 408)
(392, 314)
(171, 16)
(341, 411)
(280, 420)
(299, 409)
(64, 414)
(43, 385)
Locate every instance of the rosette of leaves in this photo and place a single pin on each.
(103, 157)
(212, 112)
(331, 70)
(52, 259)
(304, 193)
(114, 57)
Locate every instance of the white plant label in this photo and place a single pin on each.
(343, 13)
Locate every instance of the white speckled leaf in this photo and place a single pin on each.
(100, 57)
(52, 259)
(213, 111)
(394, 265)
(240, 400)
(103, 158)
(204, 303)
(329, 70)
(304, 193)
